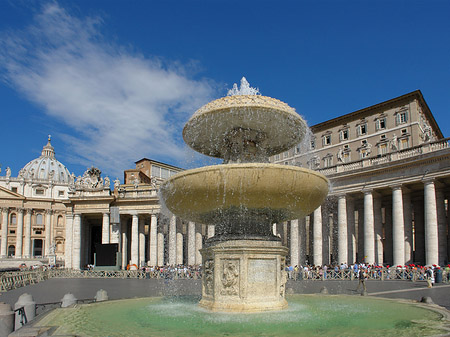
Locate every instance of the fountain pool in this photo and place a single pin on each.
(307, 315)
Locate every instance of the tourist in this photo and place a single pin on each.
(362, 279)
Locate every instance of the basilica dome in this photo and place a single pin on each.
(46, 167)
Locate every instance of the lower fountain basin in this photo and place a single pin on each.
(275, 192)
(307, 315)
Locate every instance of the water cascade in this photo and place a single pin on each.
(243, 197)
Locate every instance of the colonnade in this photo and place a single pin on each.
(394, 226)
(143, 239)
(23, 236)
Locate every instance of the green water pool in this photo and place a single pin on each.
(307, 315)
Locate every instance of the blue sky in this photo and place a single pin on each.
(114, 81)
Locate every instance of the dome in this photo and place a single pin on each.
(46, 167)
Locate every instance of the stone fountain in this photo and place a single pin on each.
(243, 197)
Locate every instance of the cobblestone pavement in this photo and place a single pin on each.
(53, 290)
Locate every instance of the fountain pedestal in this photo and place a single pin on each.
(244, 276)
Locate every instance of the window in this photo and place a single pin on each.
(344, 134)
(404, 131)
(60, 193)
(380, 123)
(285, 154)
(12, 231)
(328, 161)
(13, 220)
(277, 157)
(39, 191)
(362, 129)
(402, 117)
(326, 140)
(403, 143)
(39, 219)
(346, 157)
(14, 189)
(382, 149)
(383, 137)
(312, 144)
(297, 149)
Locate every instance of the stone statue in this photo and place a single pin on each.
(340, 155)
(368, 148)
(394, 142)
(116, 184)
(21, 173)
(8, 172)
(91, 178)
(230, 278)
(106, 182)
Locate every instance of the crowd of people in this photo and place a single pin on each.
(372, 271)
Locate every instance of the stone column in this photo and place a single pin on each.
(173, 240)
(76, 257)
(388, 243)
(160, 249)
(419, 231)
(360, 233)
(294, 243)
(407, 216)
(179, 248)
(431, 225)
(48, 231)
(4, 240)
(19, 233)
(68, 246)
(105, 229)
(27, 242)
(378, 229)
(351, 232)
(211, 231)
(141, 243)
(317, 237)
(342, 230)
(191, 243)
(153, 240)
(302, 241)
(369, 239)
(135, 240)
(124, 226)
(442, 226)
(398, 227)
(198, 244)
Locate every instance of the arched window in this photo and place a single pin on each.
(11, 250)
(13, 219)
(39, 219)
(60, 221)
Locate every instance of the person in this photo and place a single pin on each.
(362, 279)
(430, 277)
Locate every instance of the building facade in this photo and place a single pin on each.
(388, 165)
(389, 169)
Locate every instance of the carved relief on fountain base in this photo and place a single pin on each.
(244, 276)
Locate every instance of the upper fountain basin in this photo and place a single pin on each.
(284, 192)
(274, 125)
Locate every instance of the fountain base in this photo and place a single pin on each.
(244, 276)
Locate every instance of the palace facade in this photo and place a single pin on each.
(388, 165)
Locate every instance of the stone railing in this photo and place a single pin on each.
(388, 157)
(383, 274)
(13, 280)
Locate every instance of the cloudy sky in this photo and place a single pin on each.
(114, 81)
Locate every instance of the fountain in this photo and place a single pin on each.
(243, 197)
(244, 261)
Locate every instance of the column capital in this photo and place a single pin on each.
(106, 213)
(397, 187)
(367, 190)
(20, 210)
(49, 211)
(29, 211)
(5, 209)
(341, 195)
(428, 180)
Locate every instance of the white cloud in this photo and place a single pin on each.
(122, 106)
